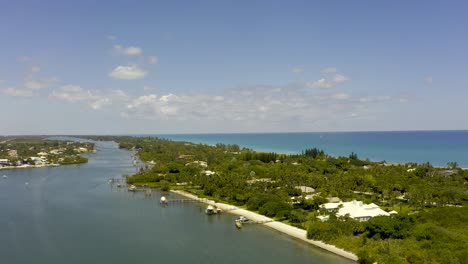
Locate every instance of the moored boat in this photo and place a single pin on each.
(242, 219)
(210, 210)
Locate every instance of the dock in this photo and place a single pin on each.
(258, 222)
(181, 200)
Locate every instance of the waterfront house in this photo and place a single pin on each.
(356, 210)
(333, 199)
(208, 173)
(323, 218)
(305, 189)
(4, 162)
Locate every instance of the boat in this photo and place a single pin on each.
(163, 200)
(5, 177)
(132, 188)
(243, 219)
(210, 210)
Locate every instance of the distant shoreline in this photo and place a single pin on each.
(28, 166)
(434, 146)
(291, 231)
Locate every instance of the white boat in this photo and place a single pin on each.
(163, 200)
(132, 188)
(242, 219)
(4, 177)
(210, 210)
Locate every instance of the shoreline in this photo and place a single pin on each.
(291, 152)
(291, 231)
(29, 166)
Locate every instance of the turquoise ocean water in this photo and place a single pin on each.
(436, 147)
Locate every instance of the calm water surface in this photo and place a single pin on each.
(70, 214)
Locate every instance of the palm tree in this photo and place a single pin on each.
(452, 165)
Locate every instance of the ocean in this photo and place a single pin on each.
(436, 147)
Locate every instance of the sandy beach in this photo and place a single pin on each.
(284, 228)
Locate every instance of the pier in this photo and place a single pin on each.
(181, 200)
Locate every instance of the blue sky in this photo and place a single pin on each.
(100, 67)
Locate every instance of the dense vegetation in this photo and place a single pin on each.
(435, 235)
(431, 225)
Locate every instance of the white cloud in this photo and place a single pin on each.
(297, 70)
(99, 103)
(129, 51)
(250, 106)
(18, 92)
(147, 88)
(128, 73)
(142, 101)
(341, 96)
(365, 99)
(72, 93)
(328, 70)
(35, 85)
(428, 80)
(31, 83)
(95, 99)
(35, 69)
(24, 58)
(153, 106)
(328, 82)
(152, 60)
(375, 99)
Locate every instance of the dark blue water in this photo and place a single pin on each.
(70, 214)
(436, 147)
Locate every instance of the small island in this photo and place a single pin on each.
(378, 211)
(34, 152)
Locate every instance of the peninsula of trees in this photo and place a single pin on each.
(430, 226)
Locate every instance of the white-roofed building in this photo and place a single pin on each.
(209, 173)
(203, 164)
(356, 210)
(305, 189)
